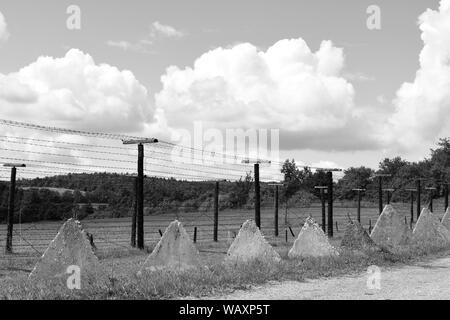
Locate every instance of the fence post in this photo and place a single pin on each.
(431, 201)
(411, 207)
(445, 196)
(292, 232)
(322, 200)
(216, 212)
(10, 216)
(389, 192)
(276, 212)
(330, 203)
(418, 198)
(380, 190)
(431, 194)
(276, 207)
(358, 212)
(195, 234)
(257, 197)
(140, 197)
(134, 214)
(380, 194)
(358, 216)
(140, 187)
(324, 216)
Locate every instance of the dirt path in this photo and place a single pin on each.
(426, 280)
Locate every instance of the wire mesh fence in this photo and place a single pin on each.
(31, 239)
(50, 157)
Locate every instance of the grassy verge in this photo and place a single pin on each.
(217, 279)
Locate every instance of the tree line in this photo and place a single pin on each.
(35, 202)
(403, 174)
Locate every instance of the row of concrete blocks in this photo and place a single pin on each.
(176, 251)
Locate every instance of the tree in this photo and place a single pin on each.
(311, 180)
(78, 197)
(31, 206)
(294, 178)
(440, 161)
(240, 193)
(392, 166)
(354, 178)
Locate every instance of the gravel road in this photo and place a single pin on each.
(425, 280)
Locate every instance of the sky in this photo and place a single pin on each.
(339, 93)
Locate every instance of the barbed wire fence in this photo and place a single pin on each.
(68, 152)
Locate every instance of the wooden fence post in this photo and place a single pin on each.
(216, 212)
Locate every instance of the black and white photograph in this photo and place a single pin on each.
(221, 157)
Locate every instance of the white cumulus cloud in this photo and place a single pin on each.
(75, 92)
(422, 107)
(4, 34)
(288, 86)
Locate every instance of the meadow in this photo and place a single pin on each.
(121, 262)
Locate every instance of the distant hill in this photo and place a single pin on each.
(59, 197)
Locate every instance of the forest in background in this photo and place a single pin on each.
(168, 195)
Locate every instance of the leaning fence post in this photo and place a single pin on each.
(292, 232)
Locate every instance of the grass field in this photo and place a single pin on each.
(112, 238)
(121, 267)
(31, 239)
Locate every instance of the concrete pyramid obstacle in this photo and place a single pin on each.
(175, 250)
(446, 219)
(250, 245)
(430, 231)
(390, 231)
(312, 242)
(70, 248)
(356, 238)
